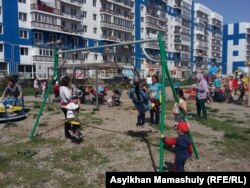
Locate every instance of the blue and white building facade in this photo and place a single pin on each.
(30, 30)
(236, 46)
(207, 38)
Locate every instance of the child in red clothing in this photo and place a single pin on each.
(183, 148)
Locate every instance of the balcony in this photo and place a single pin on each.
(123, 52)
(110, 11)
(77, 3)
(216, 23)
(124, 3)
(72, 17)
(45, 58)
(117, 27)
(152, 45)
(56, 28)
(46, 26)
(45, 8)
(217, 35)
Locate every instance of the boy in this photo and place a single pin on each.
(183, 147)
(72, 124)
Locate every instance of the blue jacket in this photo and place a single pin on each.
(141, 103)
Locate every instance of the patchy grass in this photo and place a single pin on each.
(236, 139)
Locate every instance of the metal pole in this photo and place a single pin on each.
(248, 83)
(163, 62)
(97, 93)
(107, 45)
(55, 76)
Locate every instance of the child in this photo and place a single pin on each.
(56, 91)
(182, 105)
(72, 124)
(183, 147)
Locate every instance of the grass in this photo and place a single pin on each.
(236, 139)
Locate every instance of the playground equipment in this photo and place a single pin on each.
(12, 109)
(165, 71)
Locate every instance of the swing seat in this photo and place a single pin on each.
(12, 109)
(73, 122)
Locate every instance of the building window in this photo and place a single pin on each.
(85, 42)
(1, 29)
(0, 10)
(24, 51)
(1, 47)
(52, 37)
(96, 56)
(85, 28)
(94, 3)
(73, 12)
(94, 30)
(63, 9)
(85, 56)
(84, 14)
(74, 42)
(22, 16)
(94, 16)
(84, 1)
(142, 19)
(23, 34)
(64, 39)
(22, 1)
(38, 36)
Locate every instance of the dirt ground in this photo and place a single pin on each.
(123, 147)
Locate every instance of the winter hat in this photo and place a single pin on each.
(136, 80)
(183, 126)
(74, 97)
(199, 76)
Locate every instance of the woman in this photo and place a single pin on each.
(155, 92)
(140, 99)
(65, 95)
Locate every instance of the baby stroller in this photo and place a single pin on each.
(115, 100)
(102, 92)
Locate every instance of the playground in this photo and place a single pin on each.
(112, 142)
(34, 152)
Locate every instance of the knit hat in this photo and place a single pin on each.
(74, 97)
(183, 126)
(136, 80)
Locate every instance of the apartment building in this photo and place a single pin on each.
(207, 50)
(236, 46)
(39, 26)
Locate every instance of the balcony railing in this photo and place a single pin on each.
(45, 8)
(74, 2)
(125, 3)
(46, 25)
(110, 11)
(54, 27)
(45, 58)
(115, 26)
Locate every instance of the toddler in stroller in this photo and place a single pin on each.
(115, 99)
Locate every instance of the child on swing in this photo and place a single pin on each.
(182, 105)
(72, 123)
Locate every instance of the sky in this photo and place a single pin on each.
(233, 11)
